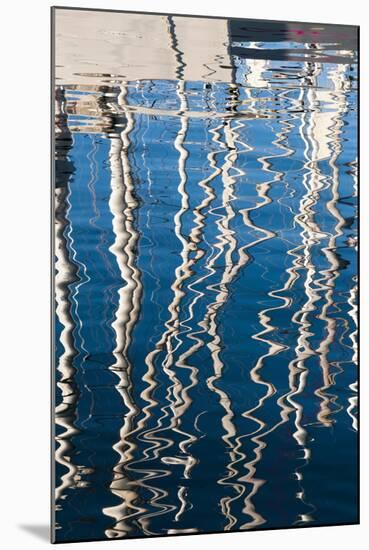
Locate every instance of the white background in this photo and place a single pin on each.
(24, 285)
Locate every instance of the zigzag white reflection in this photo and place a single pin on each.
(122, 204)
(66, 274)
(177, 393)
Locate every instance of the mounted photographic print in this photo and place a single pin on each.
(205, 274)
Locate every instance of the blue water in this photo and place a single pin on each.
(206, 287)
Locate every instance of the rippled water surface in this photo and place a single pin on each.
(205, 281)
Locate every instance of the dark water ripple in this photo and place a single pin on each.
(206, 290)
